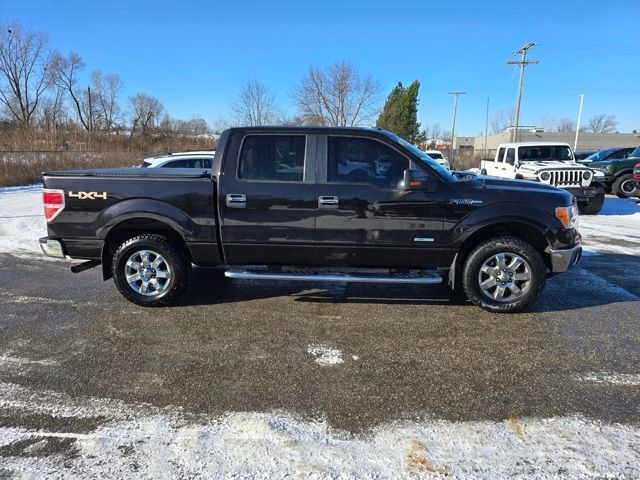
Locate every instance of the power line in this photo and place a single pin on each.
(523, 62)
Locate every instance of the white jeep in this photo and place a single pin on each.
(550, 163)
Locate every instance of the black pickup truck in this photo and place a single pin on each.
(324, 204)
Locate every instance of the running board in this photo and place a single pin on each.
(425, 278)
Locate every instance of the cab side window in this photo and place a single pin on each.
(363, 160)
(276, 158)
(500, 155)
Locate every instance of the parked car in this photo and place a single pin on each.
(550, 163)
(581, 155)
(618, 174)
(277, 206)
(636, 175)
(608, 154)
(439, 157)
(200, 159)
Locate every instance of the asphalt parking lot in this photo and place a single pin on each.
(74, 356)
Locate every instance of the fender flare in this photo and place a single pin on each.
(148, 209)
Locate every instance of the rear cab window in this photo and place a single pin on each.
(500, 157)
(272, 158)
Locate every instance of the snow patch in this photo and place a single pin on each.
(22, 220)
(612, 378)
(325, 356)
(141, 441)
(615, 229)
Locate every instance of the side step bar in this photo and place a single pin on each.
(429, 278)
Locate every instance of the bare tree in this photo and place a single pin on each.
(602, 123)
(198, 126)
(145, 111)
(566, 125)
(501, 120)
(104, 92)
(337, 95)
(66, 71)
(51, 110)
(24, 75)
(435, 131)
(255, 105)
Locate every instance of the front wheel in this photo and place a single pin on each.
(625, 186)
(149, 270)
(504, 274)
(593, 206)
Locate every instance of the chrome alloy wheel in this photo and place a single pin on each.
(505, 277)
(147, 273)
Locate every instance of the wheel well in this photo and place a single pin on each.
(620, 173)
(525, 232)
(133, 227)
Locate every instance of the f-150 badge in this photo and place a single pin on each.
(465, 201)
(88, 195)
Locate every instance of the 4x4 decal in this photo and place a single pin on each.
(88, 195)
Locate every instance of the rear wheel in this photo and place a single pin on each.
(593, 206)
(625, 186)
(149, 270)
(504, 274)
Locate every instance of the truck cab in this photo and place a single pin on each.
(552, 164)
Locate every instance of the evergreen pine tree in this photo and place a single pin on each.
(400, 112)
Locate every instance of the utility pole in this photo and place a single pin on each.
(455, 113)
(575, 144)
(522, 62)
(486, 129)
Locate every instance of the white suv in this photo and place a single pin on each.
(200, 159)
(550, 163)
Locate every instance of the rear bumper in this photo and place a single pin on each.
(563, 259)
(52, 248)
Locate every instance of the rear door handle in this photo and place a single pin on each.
(325, 201)
(236, 200)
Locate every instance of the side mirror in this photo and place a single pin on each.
(416, 179)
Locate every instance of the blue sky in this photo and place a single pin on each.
(194, 56)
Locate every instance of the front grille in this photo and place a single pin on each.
(565, 178)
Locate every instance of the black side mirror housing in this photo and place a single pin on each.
(416, 179)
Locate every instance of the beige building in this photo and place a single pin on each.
(586, 141)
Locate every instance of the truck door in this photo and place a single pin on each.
(509, 165)
(363, 219)
(496, 167)
(268, 202)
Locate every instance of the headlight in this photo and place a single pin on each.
(586, 175)
(568, 216)
(545, 176)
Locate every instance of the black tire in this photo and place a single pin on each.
(593, 206)
(176, 262)
(483, 171)
(624, 186)
(510, 246)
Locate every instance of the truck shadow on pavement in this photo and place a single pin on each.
(598, 280)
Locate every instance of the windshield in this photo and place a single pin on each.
(601, 155)
(635, 153)
(542, 153)
(423, 156)
(436, 155)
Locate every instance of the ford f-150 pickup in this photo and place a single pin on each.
(314, 204)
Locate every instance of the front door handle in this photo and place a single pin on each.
(325, 201)
(236, 200)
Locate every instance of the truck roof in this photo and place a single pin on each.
(532, 144)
